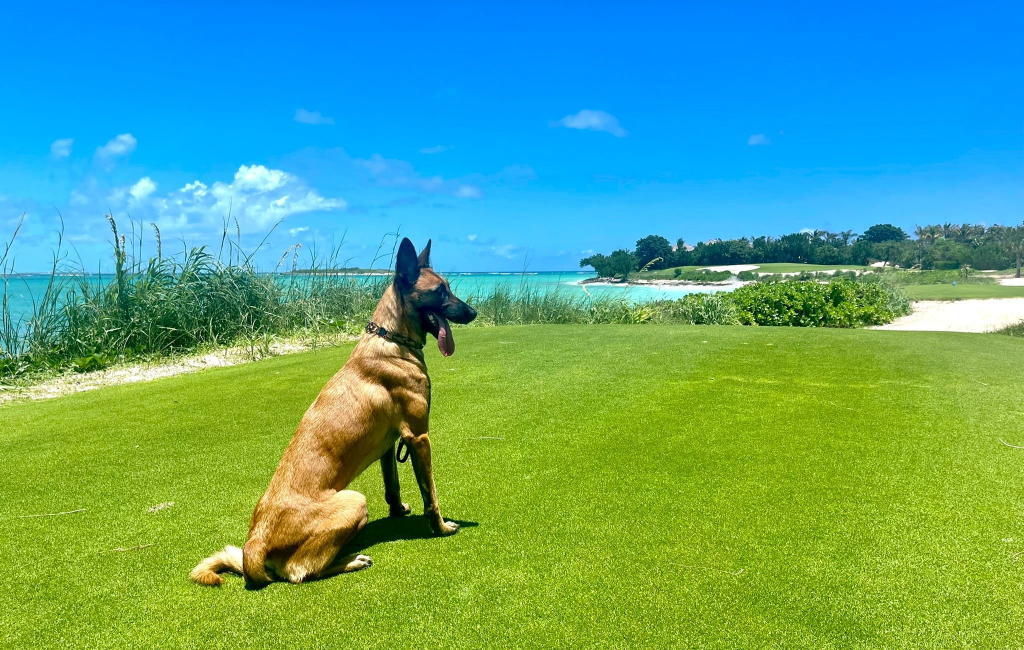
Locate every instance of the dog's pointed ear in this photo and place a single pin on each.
(425, 255)
(407, 267)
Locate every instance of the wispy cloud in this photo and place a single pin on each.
(297, 231)
(122, 145)
(441, 148)
(302, 116)
(758, 139)
(508, 251)
(388, 172)
(61, 148)
(471, 237)
(589, 120)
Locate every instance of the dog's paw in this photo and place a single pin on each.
(401, 510)
(448, 528)
(359, 562)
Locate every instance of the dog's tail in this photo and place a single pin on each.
(208, 571)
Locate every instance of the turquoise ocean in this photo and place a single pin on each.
(23, 289)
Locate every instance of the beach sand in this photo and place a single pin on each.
(961, 315)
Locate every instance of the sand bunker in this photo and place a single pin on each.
(961, 315)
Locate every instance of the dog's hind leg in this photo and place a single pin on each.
(392, 494)
(335, 522)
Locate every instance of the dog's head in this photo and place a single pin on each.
(429, 294)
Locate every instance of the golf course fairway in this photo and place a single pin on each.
(618, 486)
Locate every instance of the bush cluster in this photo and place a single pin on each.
(840, 303)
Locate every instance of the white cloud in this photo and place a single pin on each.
(143, 188)
(122, 145)
(61, 148)
(758, 139)
(257, 196)
(588, 120)
(302, 116)
(441, 148)
(297, 231)
(471, 237)
(258, 178)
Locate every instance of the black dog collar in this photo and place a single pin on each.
(384, 333)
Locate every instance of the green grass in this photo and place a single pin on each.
(961, 291)
(784, 267)
(639, 486)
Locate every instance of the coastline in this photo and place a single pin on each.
(659, 282)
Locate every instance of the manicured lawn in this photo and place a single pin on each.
(961, 291)
(648, 486)
(783, 267)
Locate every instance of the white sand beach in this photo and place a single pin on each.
(961, 315)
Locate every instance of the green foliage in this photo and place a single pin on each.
(620, 263)
(651, 248)
(1013, 330)
(883, 232)
(747, 276)
(948, 246)
(702, 309)
(841, 303)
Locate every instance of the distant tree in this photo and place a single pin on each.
(1013, 243)
(652, 247)
(600, 262)
(847, 236)
(621, 262)
(883, 232)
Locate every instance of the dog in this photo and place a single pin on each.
(380, 396)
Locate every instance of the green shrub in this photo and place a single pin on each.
(1013, 330)
(841, 303)
(945, 265)
(747, 276)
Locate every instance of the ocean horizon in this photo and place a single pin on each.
(24, 289)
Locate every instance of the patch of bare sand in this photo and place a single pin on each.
(961, 316)
(149, 371)
(1012, 282)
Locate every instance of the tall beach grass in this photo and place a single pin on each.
(159, 305)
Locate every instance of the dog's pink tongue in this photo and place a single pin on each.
(445, 340)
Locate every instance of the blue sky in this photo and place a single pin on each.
(512, 134)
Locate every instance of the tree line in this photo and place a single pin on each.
(941, 246)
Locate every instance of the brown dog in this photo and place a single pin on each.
(380, 395)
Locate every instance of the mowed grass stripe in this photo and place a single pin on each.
(658, 486)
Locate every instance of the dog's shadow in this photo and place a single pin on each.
(395, 529)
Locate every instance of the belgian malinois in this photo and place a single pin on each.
(380, 396)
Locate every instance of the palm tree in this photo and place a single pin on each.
(1013, 243)
(847, 235)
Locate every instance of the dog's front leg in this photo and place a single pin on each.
(419, 446)
(392, 494)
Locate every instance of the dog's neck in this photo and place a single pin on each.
(397, 315)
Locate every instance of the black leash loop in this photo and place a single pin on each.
(398, 454)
